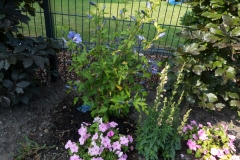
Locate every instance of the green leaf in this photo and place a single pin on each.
(41, 46)
(219, 106)
(15, 75)
(12, 60)
(213, 16)
(19, 90)
(235, 31)
(23, 84)
(75, 100)
(212, 97)
(198, 154)
(197, 69)
(27, 62)
(7, 83)
(1, 64)
(189, 151)
(210, 106)
(19, 48)
(233, 95)
(219, 72)
(227, 20)
(6, 64)
(235, 103)
(208, 37)
(39, 61)
(217, 64)
(25, 99)
(5, 101)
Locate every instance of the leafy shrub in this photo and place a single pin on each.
(160, 131)
(211, 55)
(209, 142)
(20, 56)
(99, 141)
(107, 72)
(187, 19)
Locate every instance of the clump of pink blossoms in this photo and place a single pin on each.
(99, 140)
(209, 142)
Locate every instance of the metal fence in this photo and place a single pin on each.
(73, 14)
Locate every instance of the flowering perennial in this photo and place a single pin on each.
(209, 142)
(99, 141)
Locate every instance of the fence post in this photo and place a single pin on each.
(49, 25)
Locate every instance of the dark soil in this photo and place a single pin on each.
(52, 119)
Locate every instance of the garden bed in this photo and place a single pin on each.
(51, 119)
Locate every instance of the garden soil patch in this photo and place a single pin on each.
(50, 119)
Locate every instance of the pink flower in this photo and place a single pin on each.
(116, 146)
(231, 145)
(95, 136)
(193, 122)
(82, 131)
(103, 127)
(68, 144)
(189, 127)
(185, 129)
(195, 137)
(209, 124)
(220, 153)
(75, 157)
(130, 138)
(192, 144)
(110, 134)
(94, 151)
(81, 141)
(113, 124)
(200, 126)
(119, 153)
(231, 137)
(124, 157)
(73, 148)
(202, 135)
(212, 158)
(106, 142)
(124, 140)
(214, 151)
(226, 150)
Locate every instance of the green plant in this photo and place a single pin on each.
(187, 19)
(211, 55)
(209, 142)
(30, 149)
(107, 72)
(99, 141)
(160, 132)
(20, 56)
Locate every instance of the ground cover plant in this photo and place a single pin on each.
(166, 15)
(209, 142)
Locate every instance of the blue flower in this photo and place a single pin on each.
(83, 108)
(74, 36)
(154, 69)
(161, 35)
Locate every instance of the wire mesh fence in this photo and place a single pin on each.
(74, 15)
